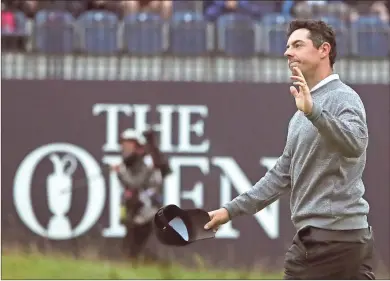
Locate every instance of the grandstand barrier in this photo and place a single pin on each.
(99, 46)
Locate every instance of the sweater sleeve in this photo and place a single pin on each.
(346, 127)
(268, 189)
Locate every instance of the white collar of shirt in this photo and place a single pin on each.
(325, 81)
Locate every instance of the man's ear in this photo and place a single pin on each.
(325, 49)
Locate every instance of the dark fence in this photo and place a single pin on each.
(220, 138)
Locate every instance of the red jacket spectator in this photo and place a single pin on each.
(8, 22)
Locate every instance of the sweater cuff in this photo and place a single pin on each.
(232, 209)
(315, 112)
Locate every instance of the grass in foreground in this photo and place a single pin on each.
(16, 265)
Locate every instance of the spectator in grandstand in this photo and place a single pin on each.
(8, 20)
(216, 8)
(73, 6)
(347, 10)
(28, 7)
(256, 9)
(162, 8)
(303, 9)
(369, 8)
(13, 33)
(105, 5)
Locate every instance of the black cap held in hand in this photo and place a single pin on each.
(177, 227)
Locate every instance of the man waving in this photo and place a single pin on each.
(321, 167)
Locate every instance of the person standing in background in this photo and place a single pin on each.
(142, 182)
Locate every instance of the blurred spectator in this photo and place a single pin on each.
(8, 22)
(105, 5)
(73, 6)
(369, 8)
(28, 7)
(313, 9)
(162, 7)
(31, 7)
(258, 9)
(13, 32)
(254, 8)
(217, 8)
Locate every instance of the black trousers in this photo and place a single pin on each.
(136, 238)
(328, 254)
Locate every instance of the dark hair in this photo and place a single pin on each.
(320, 32)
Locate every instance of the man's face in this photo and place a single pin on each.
(301, 52)
(129, 147)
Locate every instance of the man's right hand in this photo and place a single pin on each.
(217, 218)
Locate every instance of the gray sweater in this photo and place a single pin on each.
(321, 165)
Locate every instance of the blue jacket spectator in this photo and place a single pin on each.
(257, 9)
(315, 9)
(30, 8)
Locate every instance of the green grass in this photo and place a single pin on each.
(18, 265)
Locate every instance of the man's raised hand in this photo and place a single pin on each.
(303, 99)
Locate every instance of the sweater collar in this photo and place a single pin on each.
(325, 81)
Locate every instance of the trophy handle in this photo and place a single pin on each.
(73, 164)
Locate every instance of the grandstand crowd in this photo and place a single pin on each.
(348, 10)
(93, 26)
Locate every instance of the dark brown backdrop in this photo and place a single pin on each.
(244, 122)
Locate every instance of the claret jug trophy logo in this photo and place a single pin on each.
(60, 180)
